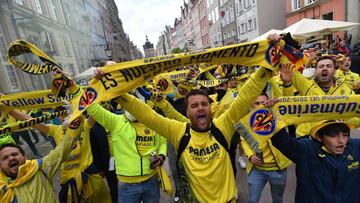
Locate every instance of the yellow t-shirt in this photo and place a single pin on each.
(145, 138)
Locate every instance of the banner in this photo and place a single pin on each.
(32, 100)
(122, 77)
(262, 123)
(31, 122)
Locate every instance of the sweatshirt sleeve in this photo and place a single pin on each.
(104, 117)
(247, 149)
(171, 129)
(300, 83)
(52, 162)
(162, 146)
(240, 107)
(287, 145)
(171, 112)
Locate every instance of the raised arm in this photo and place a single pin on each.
(170, 129)
(294, 79)
(104, 117)
(53, 160)
(240, 107)
(23, 116)
(170, 111)
(287, 145)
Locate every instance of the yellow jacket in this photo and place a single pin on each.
(277, 89)
(39, 188)
(349, 77)
(308, 87)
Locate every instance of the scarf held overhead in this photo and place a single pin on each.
(31, 122)
(123, 77)
(32, 100)
(260, 124)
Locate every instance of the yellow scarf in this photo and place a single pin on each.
(31, 122)
(26, 172)
(260, 124)
(31, 100)
(122, 77)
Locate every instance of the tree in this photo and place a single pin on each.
(177, 50)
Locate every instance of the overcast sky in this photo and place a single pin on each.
(147, 17)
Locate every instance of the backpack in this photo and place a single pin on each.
(183, 188)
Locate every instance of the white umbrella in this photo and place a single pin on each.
(86, 74)
(266, 34)
(314, 27)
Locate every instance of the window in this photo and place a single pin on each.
(10, 72)
(232, 16)
(38, 6)
(209, 16)
(213, 15)
(248, 3)
(66, 47)
(20, 2)
(53, 9)
(295, 4)
(243, 28)
(250, 24)
(14, 82)
(50, 43)
(307, 2)
(255, 23)
(216, 14)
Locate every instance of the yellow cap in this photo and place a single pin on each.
(324, 123)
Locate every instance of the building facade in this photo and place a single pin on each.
(195, 16)
(149, 49)
(75, 33)
(316, 9)
(177, 35)
(215, 28)
(353, 15)
(254, 18)
(204, 24)
(228, 21)
(187, 24)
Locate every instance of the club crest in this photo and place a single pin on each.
(87, 98)
(163, 84)
(273, 55)
(263, 122)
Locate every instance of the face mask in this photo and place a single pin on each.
(129, 116)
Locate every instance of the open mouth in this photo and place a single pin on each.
(340, 148)
(202, 118)
(13, 164)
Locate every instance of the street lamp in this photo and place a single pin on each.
(108, 52)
